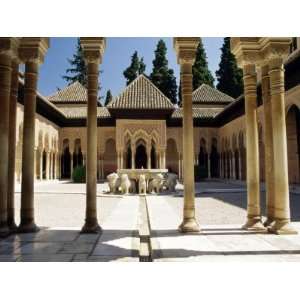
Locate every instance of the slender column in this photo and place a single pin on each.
(27, 188)
(179, 166)
(41, 164)
(12, 146)
(233, 166)
(122, 159)
(253, 189)
(280, 162)
(47, 165)
(71, 164)
(149, 158)
(91, 222)
(163, 159)
(269, 156)
(132, 157)
(5, 85)
(240, 165)
(189, 223)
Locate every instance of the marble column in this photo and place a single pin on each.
(92, 52)
(5, 85)
(148, 158)
(280, 163)
(12, 146)
(41, 164)
(186, 49)
(253, 184)
(31, 52)
(208, 166)
(268, 137)
(132, 157)
(47, 165)
(240, 165)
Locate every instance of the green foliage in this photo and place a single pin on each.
(136, 68)
(78, 70)
(108, 97)
(201, 73)
(163, 77)
(230, 77)
(79, 174)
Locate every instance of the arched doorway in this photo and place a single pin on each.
(203, 160)
(172, 156)
(214, 159)
(77, 156)
(153, 158)
(141, 157)
(128, 157)
(66, 160)
(110, 157)
(293, 143)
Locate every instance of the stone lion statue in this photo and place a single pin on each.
(142, 184)
(113, 182)
(156, 184)
(127, 185)
(171, 181)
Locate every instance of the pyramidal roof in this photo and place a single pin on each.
(74, 92)
(141, 94)
(206, 94)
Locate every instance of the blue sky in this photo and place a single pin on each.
(115, 60)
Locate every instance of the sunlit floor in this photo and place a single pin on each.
(220, 207)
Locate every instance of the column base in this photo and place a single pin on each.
(91, 226)
(269, 222)
(282, 227)
(28, 226)
(189, 225)
(4, 230)
(254, 224)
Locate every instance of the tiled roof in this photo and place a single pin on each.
(206, 94)
(141, 94)
(81, 112)
(74, 92)
(203, 113)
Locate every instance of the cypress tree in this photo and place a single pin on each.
(137, 67)
(108, 97)
(163, 77)
(201, 73)
(230, 77)
(78, 70)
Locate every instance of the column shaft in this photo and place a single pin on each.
(280, 163)
(5, 85)
(27, 188)
(12, 146)
(269, 156)
(189, 223)
(253, 188)
(91, 222)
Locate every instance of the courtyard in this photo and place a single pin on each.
(221, 209)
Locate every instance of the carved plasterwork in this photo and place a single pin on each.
(148, 130)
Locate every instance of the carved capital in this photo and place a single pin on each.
(93, 49)
(33, 49)
(246, 50)
(185, 48)
(275, 47)
(10, 46)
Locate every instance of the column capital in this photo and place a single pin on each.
(9, 46)
(33, 49)
(93, 49)
(185, 48)
(246, 50)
